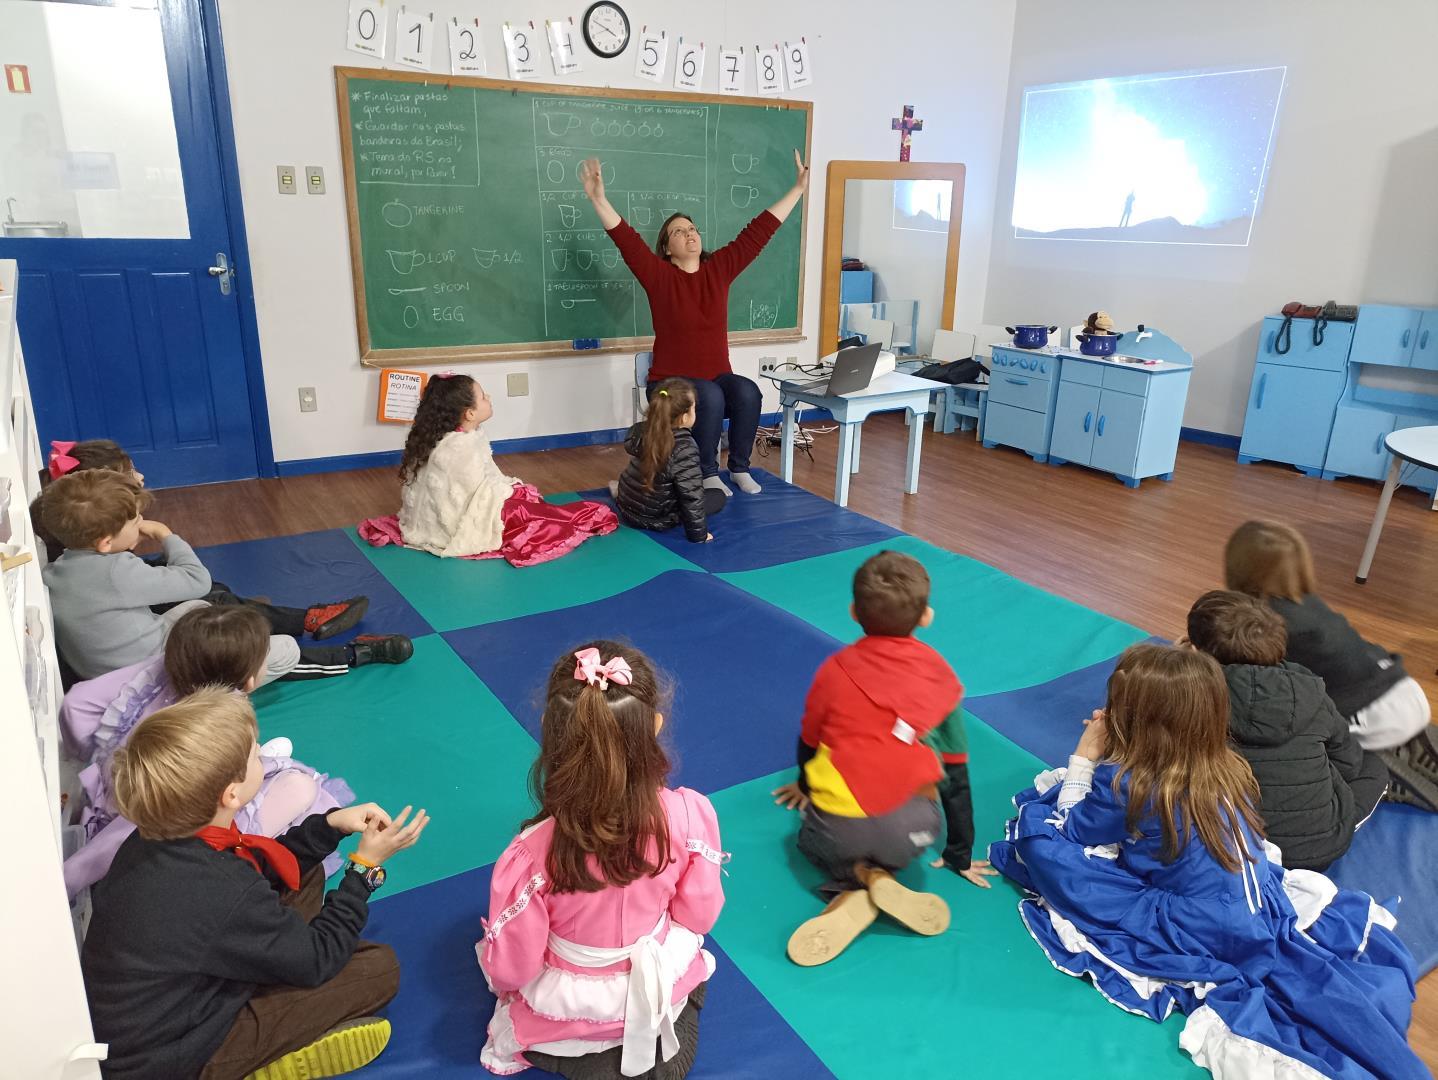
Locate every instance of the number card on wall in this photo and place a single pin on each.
(689, 65)
(415, 33)
(731, 70)
(796, 63)
(561, 46)
(653, 50)
(769, 70)
(399, 394)
(466, 50)
(519, 51)
(367, 26)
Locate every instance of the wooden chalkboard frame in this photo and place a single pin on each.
(373, 357)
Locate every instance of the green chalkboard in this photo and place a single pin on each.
(470, 234)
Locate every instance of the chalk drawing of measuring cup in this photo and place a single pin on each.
(561, 124)
(743, 163)
(568, 215)
(560, 259)
(486, 257)
(610, 259)
(584, 258)
(402, 261)
(741, 195)
(642, 215)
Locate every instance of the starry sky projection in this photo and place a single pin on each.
(1191, 147)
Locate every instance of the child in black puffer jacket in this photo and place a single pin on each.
(1316, 784)
(662, 486)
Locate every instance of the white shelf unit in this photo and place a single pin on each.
(44, 1022)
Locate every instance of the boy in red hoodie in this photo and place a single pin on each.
(882, 730)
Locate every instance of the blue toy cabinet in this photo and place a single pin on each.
(1294, 394)
(856, 286)
(1022, 387)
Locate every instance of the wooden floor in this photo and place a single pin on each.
(1141, 556)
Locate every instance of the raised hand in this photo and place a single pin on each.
(801, 181)
(591, 175)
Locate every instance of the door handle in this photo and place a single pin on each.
(1087, 420)
(1101, 420)
(1407, 337)
(223, 272)
(1423, 340)
(1262, 384)
(1016, 382)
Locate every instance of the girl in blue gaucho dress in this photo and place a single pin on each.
(1149, 875)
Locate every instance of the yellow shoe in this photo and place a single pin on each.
(924, 913)
(340, 1050)
(829, 933)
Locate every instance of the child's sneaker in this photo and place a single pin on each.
(829, 933)
(278, 747)
(326, 620)
(381, 649)
(923, 913)
(352, 1045)
(1406, 784)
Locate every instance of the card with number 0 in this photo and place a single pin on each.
(367, 26)
(519, 51)
(796, 64)
(414, 33)
(651, 55)
(689, 65)
(466, 50)
(731, 70)
(769, 70)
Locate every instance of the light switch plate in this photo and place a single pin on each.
(517, 385)
(308, 401)
(314, 180)
(286, 177)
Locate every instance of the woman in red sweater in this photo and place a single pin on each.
(688, 290)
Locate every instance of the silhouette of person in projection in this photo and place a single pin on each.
(1127, 211)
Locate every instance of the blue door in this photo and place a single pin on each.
(1290, 414)
(1385, 335)
(1075, 413)
(1425, 346)
(1116, 433)
(113, 202)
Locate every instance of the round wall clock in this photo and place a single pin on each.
(606, 29)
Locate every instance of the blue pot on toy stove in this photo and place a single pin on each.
(1098, 344)
(1031, 337)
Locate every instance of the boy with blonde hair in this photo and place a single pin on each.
(113, 609)
(214, 953)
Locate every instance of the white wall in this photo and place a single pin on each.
(908, 264)
(1348, 213)
(32, 129)
(282, 92)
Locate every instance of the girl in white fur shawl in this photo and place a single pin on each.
(454, 499)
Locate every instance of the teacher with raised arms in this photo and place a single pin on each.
(688, 290)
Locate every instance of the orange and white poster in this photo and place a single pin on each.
(399, 393)
(17, 78)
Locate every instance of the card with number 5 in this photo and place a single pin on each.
(651, 56)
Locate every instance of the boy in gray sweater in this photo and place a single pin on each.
(112, 609)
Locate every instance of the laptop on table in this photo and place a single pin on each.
(853, 371)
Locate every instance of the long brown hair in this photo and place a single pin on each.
(598, 775)
(219, 645)
(672, 399)
(1167, 723)
(445, 401)
(1267, 559)
(661, 243)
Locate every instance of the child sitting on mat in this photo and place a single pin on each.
(1316, 785)
(599, 906)
(209, 647)
(68, 457)
(661, 486)
(102, 595)
(1386, 708)
(455, 502)
(882, 731)
(1148, 874)
(215, 953)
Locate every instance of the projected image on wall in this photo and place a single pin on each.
(923, 205)
(1159, 159)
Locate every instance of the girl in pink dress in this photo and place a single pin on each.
(599, 906)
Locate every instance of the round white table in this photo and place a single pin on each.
(1412, 446)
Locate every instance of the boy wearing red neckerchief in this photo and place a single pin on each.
(214, 953)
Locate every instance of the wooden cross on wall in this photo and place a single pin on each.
(907, 124)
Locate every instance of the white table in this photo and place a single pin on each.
(1414, 446)
(886, 393)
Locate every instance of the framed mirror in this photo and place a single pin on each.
(895, 226)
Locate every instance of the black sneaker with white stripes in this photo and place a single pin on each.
(381, 649)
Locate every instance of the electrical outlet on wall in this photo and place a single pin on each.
(285, 178)
(767, 364)
(314, 180)
(308, 401)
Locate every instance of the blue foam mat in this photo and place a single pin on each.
(745, 660)
(1392, 856)
(312, 568)
(443, 1006)
(781, 524)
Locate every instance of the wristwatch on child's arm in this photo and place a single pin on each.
(370, 875)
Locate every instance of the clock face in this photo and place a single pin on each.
(606, 28)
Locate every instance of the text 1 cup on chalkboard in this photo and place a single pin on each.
(399, 394)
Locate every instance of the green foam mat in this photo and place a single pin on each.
(979, 1000)
(999, 633)
(455, 593)
(426, 733)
